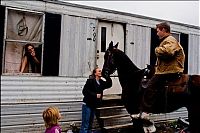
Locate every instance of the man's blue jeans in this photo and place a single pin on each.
(87, 119)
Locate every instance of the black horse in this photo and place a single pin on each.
(131, 77)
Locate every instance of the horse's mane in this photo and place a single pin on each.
(125, 63)
(130, 77)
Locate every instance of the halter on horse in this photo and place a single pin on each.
(130, 78)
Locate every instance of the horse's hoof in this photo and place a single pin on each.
(142, 115)
(135, 116)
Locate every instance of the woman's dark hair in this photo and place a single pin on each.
(26, 48)
(30, 59)
(92, 76)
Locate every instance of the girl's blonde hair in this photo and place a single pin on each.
(51, 116)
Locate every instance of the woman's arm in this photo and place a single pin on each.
(107, 84)
(36, 60)
(89, 89)
(23, 64)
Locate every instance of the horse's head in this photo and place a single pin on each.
(109, 66)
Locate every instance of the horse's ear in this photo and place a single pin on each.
(110, 45)
(116, 45)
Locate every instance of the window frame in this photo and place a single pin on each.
(5, 40)
(176, 33)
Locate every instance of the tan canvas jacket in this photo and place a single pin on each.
(170, 56)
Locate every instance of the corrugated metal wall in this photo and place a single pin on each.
(23, 100)
(78, 46)
(138, 44)
(194, 54)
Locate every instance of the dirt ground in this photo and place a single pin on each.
(167, 127)
(162, 127)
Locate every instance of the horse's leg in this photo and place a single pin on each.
(194, 109)
(194, 118)
(138, 126)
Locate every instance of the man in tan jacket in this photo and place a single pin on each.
(169, 65)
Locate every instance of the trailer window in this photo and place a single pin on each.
(176, 35)
(22, 28)
(103, 39)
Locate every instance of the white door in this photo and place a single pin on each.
(108, 32)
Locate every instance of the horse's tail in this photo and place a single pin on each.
(194, 107)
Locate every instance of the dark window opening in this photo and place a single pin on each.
(154, 44)
(184, 43)
(51, 44)
(103, 39)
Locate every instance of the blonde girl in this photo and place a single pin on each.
(51, 116)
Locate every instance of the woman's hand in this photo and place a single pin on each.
(33, 53)
(98, 95)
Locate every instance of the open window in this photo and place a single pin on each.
(22, 28)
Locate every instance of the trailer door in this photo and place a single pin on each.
(107, 32)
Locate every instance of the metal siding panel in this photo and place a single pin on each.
(23, 112)
(14, 109)
(72, 53)
(64, 39)
(76, 57)
(90, 47)
(24, 98)
(82, 48)
(194, 54)
(76, 44)
(37, 89)
(81, 42)
(26, 118)
(139, 52)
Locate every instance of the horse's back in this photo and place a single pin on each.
(179, 84)
(195, 80)
(182, 83)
